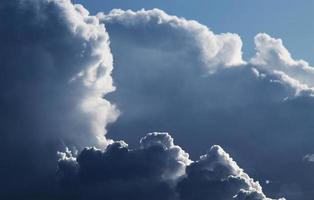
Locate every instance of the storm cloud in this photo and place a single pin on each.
(62, 88)
(55, 69)
(157, 169)
(177, 75)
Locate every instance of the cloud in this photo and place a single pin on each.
(189, 36)
(309, 158)
(217, 176)
(175, 75)
(119, 172)
(272, 56)
(157, 169)
(171, 74)
(55, 69)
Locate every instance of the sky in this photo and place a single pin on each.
(180, 101)
(287, 19)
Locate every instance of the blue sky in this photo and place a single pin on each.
(286, 19)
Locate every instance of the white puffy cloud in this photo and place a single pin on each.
(272, 56)
(215, 50)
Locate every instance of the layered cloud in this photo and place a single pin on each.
(55, 68)
(158, 169)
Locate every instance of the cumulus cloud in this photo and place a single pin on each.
(55, 69)
(171, 74)
(217, 172)
(119, 172)
(177, 75)
(272, 56)
(211, 49)
(157, 169)
(217, 176)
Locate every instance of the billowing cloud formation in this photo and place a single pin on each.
(55, 69)
(273, 56)
(156, 170)
(212, 50)
(177, 75)
(172, 75)
(217, 176)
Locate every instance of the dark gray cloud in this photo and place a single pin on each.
(148, 172)
(158, 169)
(216, 176)
(55, 68)
(177, 75)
